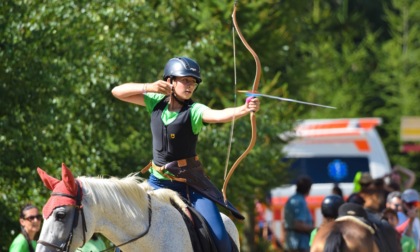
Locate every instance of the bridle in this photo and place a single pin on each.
(65, 246)
(79, 210)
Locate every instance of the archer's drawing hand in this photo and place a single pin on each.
(161, 87)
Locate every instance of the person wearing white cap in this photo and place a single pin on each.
(408, 217)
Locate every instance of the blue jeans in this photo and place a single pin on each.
(203, 205)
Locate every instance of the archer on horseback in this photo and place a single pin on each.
(176, 121)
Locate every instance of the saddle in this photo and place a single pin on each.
(201, 238)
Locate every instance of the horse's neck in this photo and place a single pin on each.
(167, 231)
(117, 226)
(117, 222)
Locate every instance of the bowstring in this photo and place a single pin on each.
(234, 102)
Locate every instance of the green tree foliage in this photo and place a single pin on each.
(59, 61)
(397, 77)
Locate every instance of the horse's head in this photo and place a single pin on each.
(64, 218)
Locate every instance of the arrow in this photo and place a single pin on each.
(249, 93)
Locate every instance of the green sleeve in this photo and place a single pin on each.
(151, 100)
(408, 244)
(93, 245)
(34, 243)
(356, 182)
(19, 244)
(197, 110)
(313, 233)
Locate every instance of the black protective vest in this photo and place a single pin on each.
(174, 141)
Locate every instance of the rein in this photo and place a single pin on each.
(66, 245)
(142, 234)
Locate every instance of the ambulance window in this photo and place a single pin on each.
(327, 169)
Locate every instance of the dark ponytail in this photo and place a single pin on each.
(31, 249)
(24, 233)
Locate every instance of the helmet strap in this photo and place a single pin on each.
(171, 78)
(178, 100)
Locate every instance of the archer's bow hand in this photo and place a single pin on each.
(252, 104)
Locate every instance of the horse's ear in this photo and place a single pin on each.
(68, 179)
(49, 182)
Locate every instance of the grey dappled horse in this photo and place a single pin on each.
(123, 210)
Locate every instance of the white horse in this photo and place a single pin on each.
(120, 209)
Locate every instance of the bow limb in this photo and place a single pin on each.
(252, 114)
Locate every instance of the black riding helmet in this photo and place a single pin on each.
(330, 205)
(180, 67)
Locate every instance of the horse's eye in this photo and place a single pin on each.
(60, 216)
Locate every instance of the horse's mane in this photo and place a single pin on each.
(114, 194)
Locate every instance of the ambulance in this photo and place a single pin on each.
(331, 152)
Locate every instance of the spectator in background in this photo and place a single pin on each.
(329, 210)
(366, 182)
(260, 217)
(336, 190)
(95, 244)
(394, 202)
(30, 223)
(407, 243)
(363, 182)
(395, 177)
(297, 218)
(385, 235)
(409, 223)
(382, 191)
(373, 203)
(264, 219)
